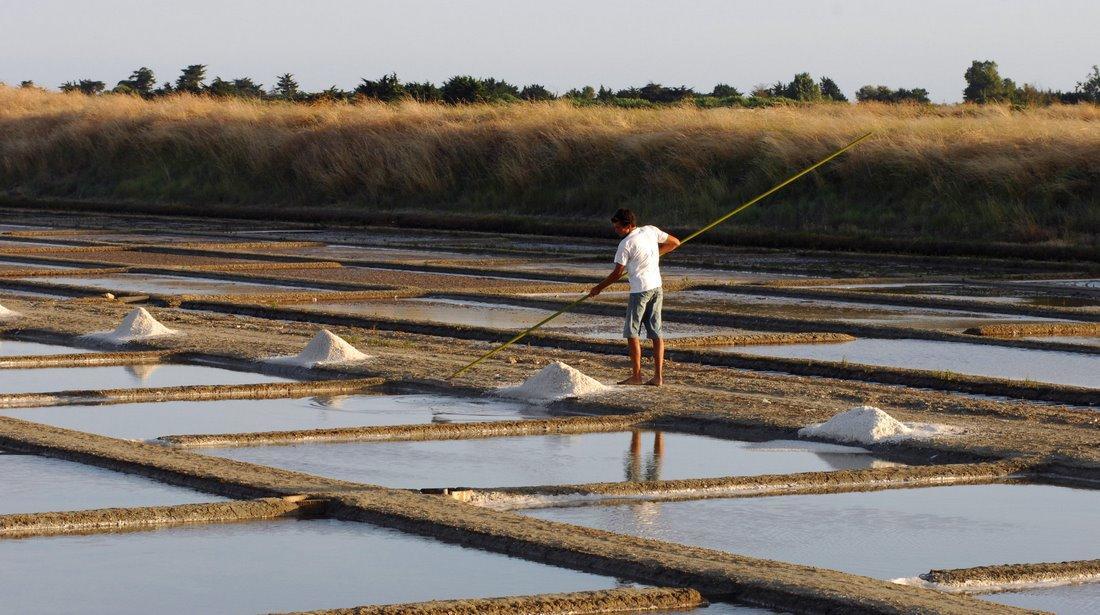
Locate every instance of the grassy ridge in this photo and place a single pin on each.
(951, 173)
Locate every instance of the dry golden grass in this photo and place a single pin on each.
(963, 171)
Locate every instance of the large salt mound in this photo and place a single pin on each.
(326, 348)
(139, 324)
(5, 313)
(555, 381)
(865, 424)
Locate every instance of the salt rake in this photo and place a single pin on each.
(706, 228)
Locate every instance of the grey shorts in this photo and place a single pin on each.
(644, 309)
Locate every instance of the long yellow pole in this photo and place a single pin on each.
(706, 228)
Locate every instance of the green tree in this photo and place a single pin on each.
(802, 87)
(881, 93)
(725, 91)
(585, 93)
(831, 91)
(27, 84)
(985, 85)
(84, 86)
(425, 92)
(388, 88)
(1089, 89)
(536, 92)
(605, 94)
(286, 88)
(191, 79)
(141, 82)
(463, 89)
(500, 90)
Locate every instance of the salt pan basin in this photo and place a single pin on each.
(974, 359)
(884, 534)
(500, 316)
(150, 420)
(29, 483)
(260, 567)
(14, 348)
(541, 460)
(1083, 599)
(122, 377)
(170, 285)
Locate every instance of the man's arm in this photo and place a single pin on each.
(668, 245)
(613, 277)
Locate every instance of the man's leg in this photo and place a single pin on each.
(631, 330)
(634, 346)
(653, 329)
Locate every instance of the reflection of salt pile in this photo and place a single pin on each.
(868, 425)
(555, 381)
(139, 324)
(5, 313)
(142, 372)
(326, 348)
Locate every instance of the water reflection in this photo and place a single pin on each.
(638, 467)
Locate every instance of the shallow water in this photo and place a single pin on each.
(883, 534)
(150, 420)
(260, 567)
(540, 460)
(29, 483)
(976, 359)
(1068, 339)
(1083, 599)
(16, 348)
(29, 265)
(122, 377)
(844, 311)
(500, 316)
(168, 285)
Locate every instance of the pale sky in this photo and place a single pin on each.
(559, 43)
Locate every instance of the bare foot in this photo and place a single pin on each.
(655, 381)
(632, 380)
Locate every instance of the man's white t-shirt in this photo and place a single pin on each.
(638, 252)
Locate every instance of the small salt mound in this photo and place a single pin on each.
(326, 348)
(5, 313)
(555, 381)
(139, 324)
(865, 424)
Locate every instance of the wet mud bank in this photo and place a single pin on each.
(400, 433)
(1012, 576)
(624, 600)
(270, 390)
(715, 574)
(130, 519)
(1036, 329)
(84, 359)
(806, 483)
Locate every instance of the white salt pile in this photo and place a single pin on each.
(5, 313)
(555, 381)
(326, 348)
(139, 324)
(868, 425)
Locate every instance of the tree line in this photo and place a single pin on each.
(984, 85)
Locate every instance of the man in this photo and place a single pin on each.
(638, 255)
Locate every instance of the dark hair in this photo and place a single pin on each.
(624, 217)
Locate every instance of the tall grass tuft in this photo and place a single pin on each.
(950, 172)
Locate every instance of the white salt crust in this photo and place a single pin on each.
(138, 325)
(870, 425)
(326, 348)
(555, 381)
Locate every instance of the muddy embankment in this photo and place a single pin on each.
(806, 483)
(191, 393)
(430, 431)
(1060, 329)
(1012, 576)
(623, 600)
(131, 519)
